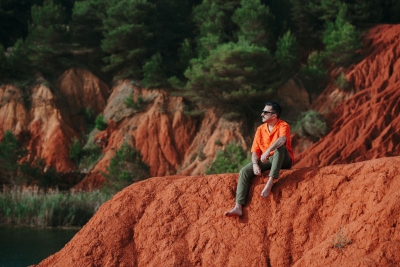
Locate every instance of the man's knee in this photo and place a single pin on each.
(281, 149)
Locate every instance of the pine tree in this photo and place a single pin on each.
(127, 37)
(213, 19)
(341, 39)
(364, 12)
(18, 65)
(232, 77)
(154, 74)
(171, 25)
(87, 22)
(255, 23)
(14, 16)
(287, 51)
(308, 28)
(313, 74)
(46, 37)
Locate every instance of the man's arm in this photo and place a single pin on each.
(278, 143)
(254, 157)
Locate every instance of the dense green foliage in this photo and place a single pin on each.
(125, 168)
(313, 73)
(342, 83)
(14, 173)
(230, 160)
(222, 49)
(233, 76)
(51, 209)
(341, 39)
(11, 152)
(100, 123)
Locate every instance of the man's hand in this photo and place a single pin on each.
(265, 156)
(256, 169)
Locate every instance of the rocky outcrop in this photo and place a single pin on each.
(13, 114)
(49, 134)
(47, 119)
(341, 215)
(79, 90)
(365, 126)
(170, 141)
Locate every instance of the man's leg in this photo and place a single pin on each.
(280, 156)
(245, 175)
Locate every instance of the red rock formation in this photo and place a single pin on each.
(52, 121)
(342, 215)
(13, 114)
(82, 89)
(50, 136)
(79, 90)
(160, 130)
(366, 125)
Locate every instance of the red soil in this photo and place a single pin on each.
(365, 126)
(342, 215)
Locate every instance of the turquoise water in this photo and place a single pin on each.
(28, 246)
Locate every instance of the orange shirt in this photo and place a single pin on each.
(264, 139)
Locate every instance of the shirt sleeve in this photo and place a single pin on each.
(284, 130)
(256, 142)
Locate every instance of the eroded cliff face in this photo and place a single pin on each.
(366, 125)
(13, 114)
(341, 215)
(46, 120)
(170, 141)
(363, 121)
(49, 134)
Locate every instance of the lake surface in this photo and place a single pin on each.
(28, 246)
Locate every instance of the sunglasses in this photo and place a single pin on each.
(266, 112)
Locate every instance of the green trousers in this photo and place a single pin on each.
(279, 160)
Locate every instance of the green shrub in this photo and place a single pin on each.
(230, 160)
(11, 151)
(342, 83)
(218, 142)
(311, 125)
(100, 123)
(201, 156)
(137, 105)
(38, 174)
(91, 155)
(89, 117)
(126, 167)
(75, 150)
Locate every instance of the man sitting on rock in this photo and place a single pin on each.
(271, 150)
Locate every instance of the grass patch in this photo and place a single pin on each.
(51, 209)
(341, 240)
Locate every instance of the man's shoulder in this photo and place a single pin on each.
(282, 123)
